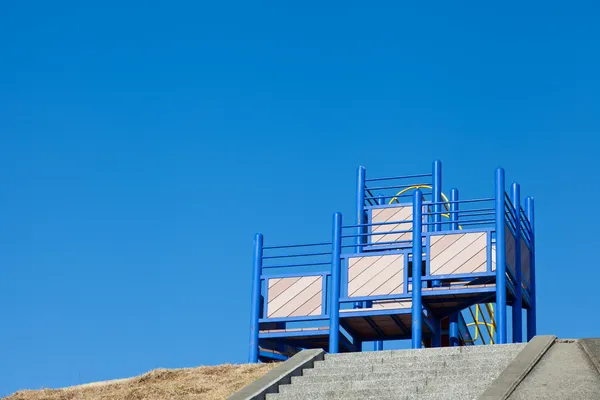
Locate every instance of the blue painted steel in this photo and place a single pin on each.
(360, 208)
(517, 307)
(437, 195)
(453, 334)
(454, 206)
(417, 251)
(255, 300)
(398, 177)
(500, 259)
(378, 344)
(291, 246)
(334, 300)
(531, 313)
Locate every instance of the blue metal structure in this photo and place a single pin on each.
(416, 265)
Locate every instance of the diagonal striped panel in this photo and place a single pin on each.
(458, 253)
(392, 214)
(295, 297)
(375, 275)
(525, 261)
(509, 242)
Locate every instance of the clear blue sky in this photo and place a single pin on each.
(142, 144)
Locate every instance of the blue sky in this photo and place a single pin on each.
(142, 145)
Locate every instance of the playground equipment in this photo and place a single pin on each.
(476, 257)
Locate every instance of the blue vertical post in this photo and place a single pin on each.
(436, 190)
(531, 313)
(437, 195)
(378, 344)
(517, 308)
(454, 209)
(360, 209)
(255, 301)
(361, 238)
(334, 299)
(417, 251)
(500, 259)
(453, 334)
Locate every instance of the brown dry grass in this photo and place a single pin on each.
(216, 382)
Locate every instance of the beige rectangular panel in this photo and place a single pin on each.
(280, 286)
(509, 242)
(384, 305)
(375, 275)
(392, 304)
(459, 254)
(297, 296)
(493, 256)
(525, 261)
(439, 243)
(392, 214)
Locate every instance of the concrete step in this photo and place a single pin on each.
(431, 352)
(451, 373)
(326, 368)
(419, 382)
(466, 358)
(462, 391)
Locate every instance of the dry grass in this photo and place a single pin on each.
(216, 382)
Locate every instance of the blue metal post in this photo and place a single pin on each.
(454, 209)
(454, 329)
(360, 209)
(531, 313)
(255, 301)
(334, 300)
(437, 195)
(378, 344)
(417, 251)
(500, 259)
(517, 308)
(436, 190)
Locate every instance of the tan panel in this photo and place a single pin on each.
(454, 250)
(280, 286)
(291, 293)
(311, 307)
(375, 269)
(475, 264)
(509, 242)
(273, 281)
(374, 286)
(394, 285)
(298, 301)
(357, 265)
(462, 252)
(383, 305)
(525, 261)
(442, 243)
(493, 256)
(391, 304)
(393, 214)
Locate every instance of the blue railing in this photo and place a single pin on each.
(460, 214)
(389, 189)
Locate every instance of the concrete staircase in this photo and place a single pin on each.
(450, 373)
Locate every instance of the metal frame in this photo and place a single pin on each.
(433, 215)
